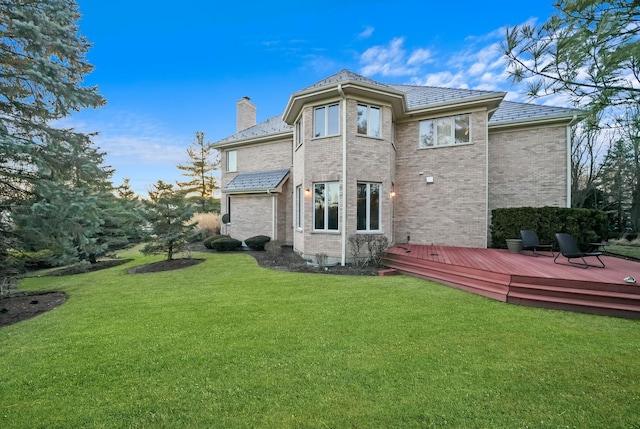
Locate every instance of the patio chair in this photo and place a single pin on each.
(531, 242)
(569, 249)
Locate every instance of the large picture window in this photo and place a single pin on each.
(368, 211)
(368, 120)
(326, 120)
(325, 200)
(232, 160)
(448, 131)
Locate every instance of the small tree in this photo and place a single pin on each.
(203, 162)
(168, 214)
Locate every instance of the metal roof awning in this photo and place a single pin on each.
(257, 182)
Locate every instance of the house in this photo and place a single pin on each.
(350, 155)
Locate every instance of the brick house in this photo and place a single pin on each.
(350, 155)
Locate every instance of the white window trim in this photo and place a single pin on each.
(326, 209)
(453, 132)
(299, 207)
(235, 152)
(326, 120)
(369, 106)
(299, 133)
(368, 212)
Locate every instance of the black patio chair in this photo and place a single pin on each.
(570, 250)
(531, 242)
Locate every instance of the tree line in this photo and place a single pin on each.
(57, 202)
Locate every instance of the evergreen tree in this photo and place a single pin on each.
(168, 213)
(204, 160)
(42, 68)
(589, 49)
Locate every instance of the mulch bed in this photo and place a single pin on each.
(18, 307)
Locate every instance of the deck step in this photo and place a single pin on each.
(388, 272)
(556, 293)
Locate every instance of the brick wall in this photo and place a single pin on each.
(528, 167)
(452, 210)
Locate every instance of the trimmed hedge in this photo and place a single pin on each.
(258, 242)
(226, 243)
(207, 242)
(585, 225)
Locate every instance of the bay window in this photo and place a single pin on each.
(368, 207)
(326, 120)
(368, 120)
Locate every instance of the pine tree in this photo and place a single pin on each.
(204, 161)
(42, 68)
(168, 213)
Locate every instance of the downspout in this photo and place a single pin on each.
(573, 121)
(343, 259)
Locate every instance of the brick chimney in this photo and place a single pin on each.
(245, 114)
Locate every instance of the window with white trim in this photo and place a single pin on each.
(232, 161)
(368, 120)
(368, 207)
(299, 201)
(448, 131)
(326, 120)
(299, 133)
(325, 210)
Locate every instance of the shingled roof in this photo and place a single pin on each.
(261, 181)
(416, 97)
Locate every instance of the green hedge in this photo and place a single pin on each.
(258, 242)
(585, 225)
(226, 243)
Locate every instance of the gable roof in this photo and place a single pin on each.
(273, 127)
(257, 182)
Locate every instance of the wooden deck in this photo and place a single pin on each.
(525, 279)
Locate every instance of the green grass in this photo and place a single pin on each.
(631, 251)
(229, 344)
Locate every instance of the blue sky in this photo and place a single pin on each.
(169, 69)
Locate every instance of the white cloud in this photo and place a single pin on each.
(392, 59)
(366, 33)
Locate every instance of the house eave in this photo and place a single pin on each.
(359, 89)
(266, 138)
(531, 122)
(491, 102)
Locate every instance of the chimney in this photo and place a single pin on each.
(245, 114)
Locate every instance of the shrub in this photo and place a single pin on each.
(207, 224)
(258, 242)
(585, 225)
(226, 243)
(273, 249)
(207, 241)
(375, 244)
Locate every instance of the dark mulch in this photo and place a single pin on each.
(174, 264)
(18, 307)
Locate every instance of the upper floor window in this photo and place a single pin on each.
(299, 132)
(447, 131)
(326, 120)
(325, 210)
(368, 120)
(232, 160)
(368, 207)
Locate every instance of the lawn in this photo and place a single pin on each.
(630, 251)
(229, 344)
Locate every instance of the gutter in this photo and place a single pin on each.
(343, 258)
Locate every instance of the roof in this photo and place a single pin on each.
(416, 97)
(512, 112)
(272, 126)
(261, 181)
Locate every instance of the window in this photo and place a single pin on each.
(368, 120)
(447, 131)
(325, 213)
(368, 211)
(299, 133)
(326, 120)
(228, 209)
(299, 202)
(232, 160)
